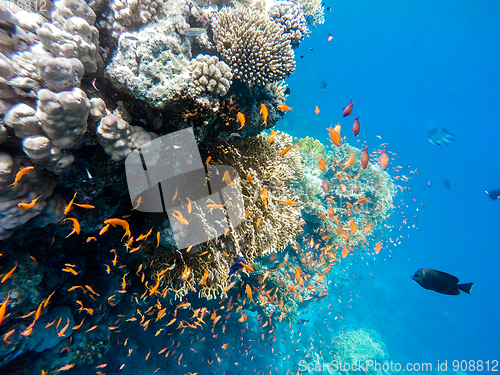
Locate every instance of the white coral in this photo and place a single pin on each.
(209, 75)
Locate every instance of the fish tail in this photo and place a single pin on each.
(465, 287)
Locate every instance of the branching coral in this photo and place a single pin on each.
(256, 48)
(291, 17)
(209, 75)
(134, 13)
(313, 11)
(269, 225)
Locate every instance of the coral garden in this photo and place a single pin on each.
(83, 88)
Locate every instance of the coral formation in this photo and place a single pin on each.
(153, 64)
(269, 225)
(209, 75)
(256, 48)
(59, 73)
(118, 138)
(127, 14)
(72, 34)
(291, 17)
(313, 11)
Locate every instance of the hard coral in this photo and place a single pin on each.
(268, 228)
(256, 48)
(209, 76)
(291, 17)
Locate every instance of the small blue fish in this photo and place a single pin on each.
(236, 265)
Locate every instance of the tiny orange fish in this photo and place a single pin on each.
(272, 135)
(20, 174)
(3, 307)
(263, 110)
(179, 217)
(84, 205)
(378, 247)
(285, 150)
(208, 160)
(122, 223)
(264, 196)
(9, 274)
(241, 119)
(76, 225)
(25, 206)
(68, 207)
(203, 280)
(289, 202)
(284, 108)
(321, 164)
(316, 110)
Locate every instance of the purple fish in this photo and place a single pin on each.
(347, 110)
(355, 126)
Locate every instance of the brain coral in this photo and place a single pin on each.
(266, 229)
(256, 48)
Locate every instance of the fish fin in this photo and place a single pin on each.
(466, 287)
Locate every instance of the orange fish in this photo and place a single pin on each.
(284, 108)
(9, 274)
(353, 226)
(241, 119)
(264, 196)
(378, 247)
(3, 307)
(384, 160)
(263, 110)
(203, 280)
(289, 202)
(368, 228)
(25, 206)
(248, 290)
(272, 135)
(208, 160)
(285, 150)
(20, 174)
(76, 226)
(334, 136)
(124, 224)
(321, 164)
(345, 251)
(84, 205)
(316, 110)
(227, 178)
(68, 207)
(67, 367)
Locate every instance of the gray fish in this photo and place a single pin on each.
(447, 183)
(440, 282)
(439, 136)
(194, 31)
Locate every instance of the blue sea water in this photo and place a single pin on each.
(411, 66)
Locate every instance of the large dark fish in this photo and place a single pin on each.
(236, 265)
(440, 282)
(494, 194)
(439, 136)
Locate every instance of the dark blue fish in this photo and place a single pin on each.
(447, 183)
(236, 265)
(494, 194)
(323, 85)
(439, 136)
(440, 282)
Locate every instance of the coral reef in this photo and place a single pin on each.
(153, 64)
(291, 17)
(269, 225)
(209, 75)
(60, 74)
(256, 48)
(118, 138)
(127, 14)
(313, 11)
(354, 347)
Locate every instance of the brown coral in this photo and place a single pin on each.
(268, 228)
(256, 48)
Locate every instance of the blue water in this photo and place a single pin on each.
(410, 66)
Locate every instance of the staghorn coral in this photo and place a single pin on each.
(209, 75)
(256, 48)
(269, 228)
(291, 17)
